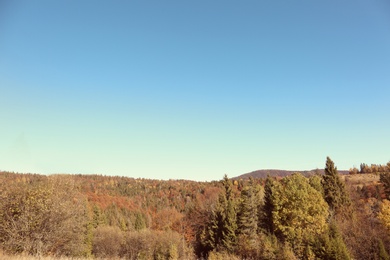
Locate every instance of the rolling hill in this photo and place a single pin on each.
(281, 173)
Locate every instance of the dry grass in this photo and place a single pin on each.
(29, 257)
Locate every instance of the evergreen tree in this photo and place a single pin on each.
(229, 219)
(228, 187)
(98, 217)
(248, 211)
(229, 227)
(269, 206)
(331, 245)
(139, 222)
(335, 193)
(385, 180)
(220, 233)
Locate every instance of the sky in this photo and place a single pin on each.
(193, 89)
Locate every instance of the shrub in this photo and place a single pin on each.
(107, 241)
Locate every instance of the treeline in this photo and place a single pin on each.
(373, 168)
(295, 217)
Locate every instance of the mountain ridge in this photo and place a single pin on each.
(281, 173)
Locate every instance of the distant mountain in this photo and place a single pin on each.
(281, 173)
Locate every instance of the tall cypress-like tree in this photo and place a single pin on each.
(335, 193)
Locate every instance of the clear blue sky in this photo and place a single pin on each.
(193, 89)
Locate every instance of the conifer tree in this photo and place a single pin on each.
(248, 211)
(269, 205)
(331, 245)
(220, 233)
(139, 222)
(335, 193)
(385, 180)
(229, 220)
(229, 227)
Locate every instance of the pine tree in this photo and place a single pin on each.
(335, 193)
(229, 227)
(248, 211)
(269, 205)
(229, 220)
(331, 245)
(220, 233)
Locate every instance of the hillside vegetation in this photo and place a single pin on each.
(322, 216)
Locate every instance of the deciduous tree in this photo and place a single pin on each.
(300, 213)
(49, 217)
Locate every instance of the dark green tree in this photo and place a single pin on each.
(266, 215)
(331, 245)
(335, 193)
(220, 233)
(229, 227)
(248, 211)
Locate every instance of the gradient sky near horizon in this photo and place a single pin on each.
(193, 89)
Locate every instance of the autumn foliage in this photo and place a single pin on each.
(321, 216)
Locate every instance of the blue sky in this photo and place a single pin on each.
(193, 89)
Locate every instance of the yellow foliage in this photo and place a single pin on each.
(300, 211)
(384, 214)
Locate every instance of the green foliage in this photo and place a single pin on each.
(248, 210)
(116, 216)
(331, 245)
(229, 227)
(67, 215)
(316, 182)
(299, 213)
(266, 218)
(98, 217)
(220, 232)
(139, 223)
(335, 193)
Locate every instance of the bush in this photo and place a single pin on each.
(147, 244)
(107, 241)
(43, 218)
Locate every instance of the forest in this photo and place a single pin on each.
(324, 215)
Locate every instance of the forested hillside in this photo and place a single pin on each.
(323, 216)
(281, 173)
